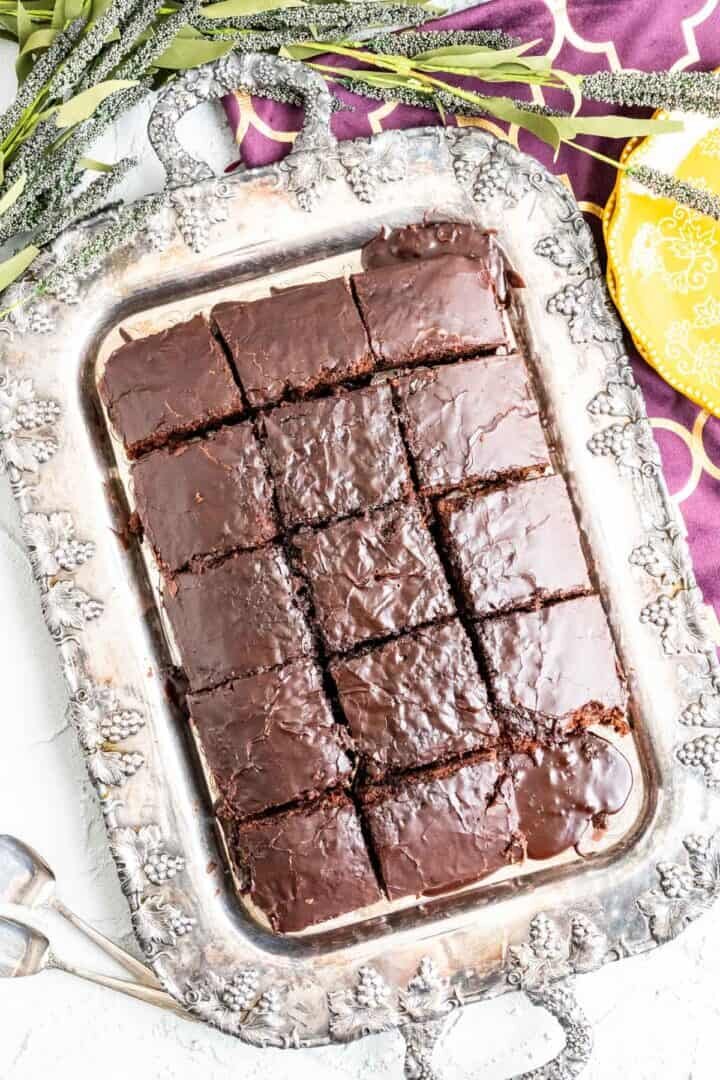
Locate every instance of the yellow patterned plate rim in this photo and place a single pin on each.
(630, 208)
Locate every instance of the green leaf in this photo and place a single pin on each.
(23, 63)
(11, 269)
(12, 194)
(186, 53)
(83, 105)
(613, 127)
(229, 8)
(96, 166)
(481, 55)
(39, 39)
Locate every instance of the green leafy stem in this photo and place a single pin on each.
(81, 64)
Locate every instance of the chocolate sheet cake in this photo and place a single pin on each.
(469, 423)
(374, 583)
(270, 739)
(168, 385)
(337, 456)
(296, 340)
(205, 498)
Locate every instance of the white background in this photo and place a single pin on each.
(655, 1017)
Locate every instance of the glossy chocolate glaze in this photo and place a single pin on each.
(558, 662)
(434, 834)
(515, 546)
(415, 700)
(335, 456)
(168, 385)
(432, 240)
(373, 576)
(206, 497)
(270, 739)
(563, 790)
(295, 340)
(308, 865)
(429, 309)
(470, 422)
(236, 618)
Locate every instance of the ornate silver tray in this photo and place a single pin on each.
(410, 968)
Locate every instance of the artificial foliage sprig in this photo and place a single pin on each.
(83, 64)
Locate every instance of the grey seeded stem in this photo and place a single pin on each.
(55, 195)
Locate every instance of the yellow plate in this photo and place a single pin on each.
(664, 261)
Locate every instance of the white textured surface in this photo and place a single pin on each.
(654, 1017)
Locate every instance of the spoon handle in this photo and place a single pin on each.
(135, 967)
(147, 994)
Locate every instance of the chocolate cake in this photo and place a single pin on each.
(374, 583)
(561, 791)
(516, 546)
(373, 576)
(443, 830)
(556, 664)
(336, 456)
(168, 385)
(472, 422)
(297, 340)
(204, 498)
(306, 866)
(236, 618)
(415, 700)
(270, 739)
(431, 309)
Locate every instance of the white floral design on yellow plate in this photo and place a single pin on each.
(664, 262)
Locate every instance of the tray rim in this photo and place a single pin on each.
(569, 940)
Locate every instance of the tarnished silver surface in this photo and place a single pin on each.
(412, 968)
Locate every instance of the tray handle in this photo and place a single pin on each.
(257, 73)
(423, 1040)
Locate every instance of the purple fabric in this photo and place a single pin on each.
(645, 34)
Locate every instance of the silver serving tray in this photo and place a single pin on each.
(409, 967)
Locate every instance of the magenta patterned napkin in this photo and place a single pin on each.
(583, 36)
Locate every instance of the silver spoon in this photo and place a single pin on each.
(27, 880)
(25, 951)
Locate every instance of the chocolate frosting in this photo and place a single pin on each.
(167, 385)
(515, 545)
(429, 310)
(335, 456)
(295, 340)
(205, 497)
(307, 866)
(236, 618)
(432, 240)
(556, 661)
(373, 576)
(471, 421)
(270, 739)
(415, 700)
(562, 790)
(433, 835)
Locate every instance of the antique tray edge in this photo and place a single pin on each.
(556, 947)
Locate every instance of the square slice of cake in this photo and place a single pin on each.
(515, 546)
(438, 832)
(557, 664)
(336, 456)
(270, 739)
(306, 866)
(472, 422)
(429, 309)
(373, 576)
(415, 700)
(296, 340)
(168, 385)
(205, 497)
(236, 618)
